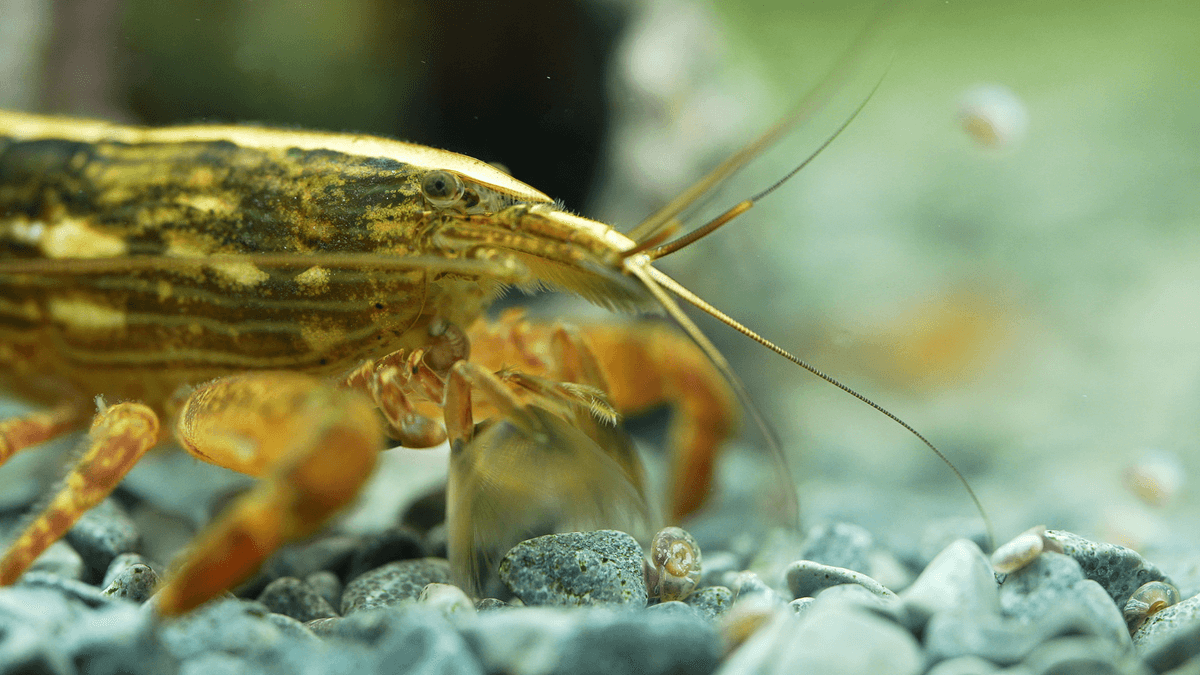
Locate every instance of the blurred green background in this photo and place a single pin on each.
(1033, 309)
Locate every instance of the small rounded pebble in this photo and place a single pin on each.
(135, 582)
(1156, 478)
(841, 545)
(448, 599)
(711, 601)
(806, 578)
(1147, 601)
(801, 605)
(121, 563)
(101, 534)
(1020, 551)
(748, 583)
(292, 597)
(677, 607)
(489, 604)
(604, 567)
(394, 583)
(675, 564)
(993, 116)
(328, 585)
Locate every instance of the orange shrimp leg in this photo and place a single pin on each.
(313, 445)
(120, 435)
(25, 431)
(648, 364)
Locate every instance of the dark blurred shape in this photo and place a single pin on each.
(521, 84)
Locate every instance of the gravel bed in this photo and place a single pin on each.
(578, 603)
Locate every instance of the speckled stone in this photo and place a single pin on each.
(839, 545)
(292, 597)
(394, 583)
(577, 568)
(101, 534)
(1118, 569)
(490, 604)
(806, 578)
(1053, 582)
(711, 601)
(136, 582)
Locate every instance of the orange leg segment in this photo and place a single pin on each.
(19, 433)
(314, 446)
(642, 365)
(120, 435)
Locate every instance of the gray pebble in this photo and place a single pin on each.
(326, 584)
(101, 534)
(839, 545)
(831, 639)
(1171, 636)
(294, 598)
(136, 582)
(801, 606)
(291, 627)
(394, 583)
(122, 562)
(958, 578)
(577, 568)
(72, 588)
(1118, 569)
(323, 627)
(964, 665)
(711, 601)
(489, 604)
(60, 559)
(806, 578)
(448, 599)
(413, 640)
(380, 548)
(674, 607)
(590, 641)
(1003, 640)
(1082, 654)
(1053, 582)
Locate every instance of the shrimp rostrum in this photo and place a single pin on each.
(262, 296)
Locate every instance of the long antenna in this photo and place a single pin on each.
(645, 272)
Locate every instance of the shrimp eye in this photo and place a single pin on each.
(442, 188)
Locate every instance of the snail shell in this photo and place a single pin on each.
(675, 557)
(1148, 600)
